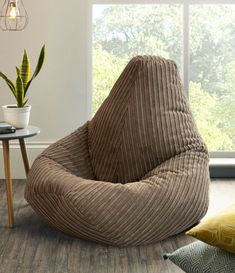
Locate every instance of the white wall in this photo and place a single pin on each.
(59, 96)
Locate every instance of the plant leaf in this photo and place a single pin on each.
(25, 102)
(25, 69)
(9, 83)
(19, 91)
(17, 71)
(38, 67)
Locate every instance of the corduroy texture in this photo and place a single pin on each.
(136, 173)
(143, 122)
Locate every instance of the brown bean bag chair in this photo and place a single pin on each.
(136, 173)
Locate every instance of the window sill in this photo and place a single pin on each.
(222, 167)
(222, 162)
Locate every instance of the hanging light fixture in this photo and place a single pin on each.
(13, 16)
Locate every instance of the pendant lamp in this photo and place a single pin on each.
(13, 16)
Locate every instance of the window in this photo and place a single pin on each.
(212, 73)
(200, 38)
(123, 31)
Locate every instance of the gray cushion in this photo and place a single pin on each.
(202, 258)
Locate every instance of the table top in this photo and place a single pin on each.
(21, 133)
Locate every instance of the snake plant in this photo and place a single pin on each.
(20, 88)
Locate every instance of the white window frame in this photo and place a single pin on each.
(186, 57)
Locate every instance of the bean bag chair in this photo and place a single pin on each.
(136, 173)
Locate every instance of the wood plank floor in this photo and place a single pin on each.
(34, 247)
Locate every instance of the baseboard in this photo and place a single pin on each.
(34, 148)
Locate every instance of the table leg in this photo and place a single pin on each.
(6, 156)
(24, 155)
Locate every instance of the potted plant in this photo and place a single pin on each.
(18, 114)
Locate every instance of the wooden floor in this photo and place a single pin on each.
(34, 247)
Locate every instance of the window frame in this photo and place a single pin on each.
(186, 48)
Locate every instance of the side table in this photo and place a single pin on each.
(20, 135)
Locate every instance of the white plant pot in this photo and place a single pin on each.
(17, 117)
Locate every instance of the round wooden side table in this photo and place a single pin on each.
(20, 135)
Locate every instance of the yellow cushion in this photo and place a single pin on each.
(218, 230)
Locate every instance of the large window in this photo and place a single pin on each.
(212, 73)
(199, 37)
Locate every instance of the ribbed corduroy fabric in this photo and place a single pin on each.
(143, 122)
(136, 173)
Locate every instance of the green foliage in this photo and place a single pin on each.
(38, 68)
(130, 30)
(226, 109)
(25, 69)
(19, 91)
(23, 81)
(9, 83)
(212, 45)
(205, 109)
(106, 69)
